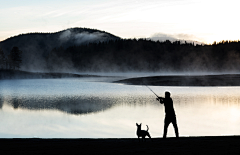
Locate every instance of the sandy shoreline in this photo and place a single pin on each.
(183, 145)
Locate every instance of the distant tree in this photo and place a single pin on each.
(2, 59)
(15, 58)
(8, 62)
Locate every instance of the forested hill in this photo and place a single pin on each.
(82, 49)
(36, 47)
(147, 55)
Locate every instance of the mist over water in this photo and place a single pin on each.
(82, 108)
(160, 73)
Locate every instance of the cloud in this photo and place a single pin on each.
(83, 37)
(163, 37)
(65, 35)
(87, 37)
(175, 37)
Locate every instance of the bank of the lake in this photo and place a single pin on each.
(18, 74)
(183, 145)
(156, 80)
(185, 80)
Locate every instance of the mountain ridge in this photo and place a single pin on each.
(47, 33)
(37, 46)
(90, 50)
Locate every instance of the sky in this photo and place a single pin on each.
(199, 20)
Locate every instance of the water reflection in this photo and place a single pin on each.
(72, 108)
(71, 105)
(92, 104)
(1, 102)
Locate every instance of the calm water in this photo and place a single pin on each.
(90, 108)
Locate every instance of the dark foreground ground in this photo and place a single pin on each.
(183, 145)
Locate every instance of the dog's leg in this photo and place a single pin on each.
(144, 138)
(138, 139)
(149, 136)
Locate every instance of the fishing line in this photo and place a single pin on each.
(152, 91)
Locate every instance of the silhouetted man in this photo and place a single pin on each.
(170, 116)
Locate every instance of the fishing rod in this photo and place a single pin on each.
(152, 91)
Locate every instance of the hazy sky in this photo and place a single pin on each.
(200, 20)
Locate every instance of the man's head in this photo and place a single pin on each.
(167, 94)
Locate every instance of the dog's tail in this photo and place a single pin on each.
(147, 127)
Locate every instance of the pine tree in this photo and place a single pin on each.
(15, 57)
(2, 59)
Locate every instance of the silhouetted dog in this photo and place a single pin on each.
(142, 133)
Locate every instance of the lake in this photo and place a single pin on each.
(97, 108)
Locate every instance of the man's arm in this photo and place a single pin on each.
(160, 99)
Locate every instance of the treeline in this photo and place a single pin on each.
(11, 61)
(75, 30)
(147, 55)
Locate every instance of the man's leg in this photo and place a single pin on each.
(166, 124)
(174, 122)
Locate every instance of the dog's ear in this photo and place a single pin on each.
(140, 123)
(136, 124)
